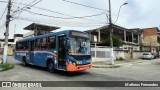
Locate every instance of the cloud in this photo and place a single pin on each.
(142, 13)
(137, 14)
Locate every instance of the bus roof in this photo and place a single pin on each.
(50, 34)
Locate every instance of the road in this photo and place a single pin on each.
(144, 70)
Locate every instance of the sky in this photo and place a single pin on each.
(136, 14)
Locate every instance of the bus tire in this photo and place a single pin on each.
(50, 66)
(24, 61)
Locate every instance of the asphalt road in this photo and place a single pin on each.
(144, 70)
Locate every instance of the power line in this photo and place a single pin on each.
(61, 13)
(4, 12)
(35, 3)
(63, 21)
(63, 17)
(59, 24)
(26, 5)
(19, 4)
(84, 5)
(21, 10)
(19, 7)
(64, 14)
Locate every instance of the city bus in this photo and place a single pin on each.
(67, 50)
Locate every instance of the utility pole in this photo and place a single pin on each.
(8, 16)
(111, 34)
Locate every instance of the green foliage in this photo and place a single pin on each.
(116, 41)
(6, 66)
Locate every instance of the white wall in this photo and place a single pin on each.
(103, 54)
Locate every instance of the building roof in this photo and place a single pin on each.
(9, 40)
(116, 28)
(36, 26)
(18, 35)
(151, 28)
(137, 30)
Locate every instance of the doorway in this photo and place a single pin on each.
(62, 50)
(31, 52)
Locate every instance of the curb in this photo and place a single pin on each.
(106, 66)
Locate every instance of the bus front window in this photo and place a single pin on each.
(79, 46)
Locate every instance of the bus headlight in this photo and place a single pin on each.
(70, 62)
(77, 62)
(74, 63)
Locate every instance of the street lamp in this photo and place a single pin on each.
(111, 31)
(120, 10)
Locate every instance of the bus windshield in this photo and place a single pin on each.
(79, 46)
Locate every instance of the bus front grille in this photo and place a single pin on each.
(81, 57)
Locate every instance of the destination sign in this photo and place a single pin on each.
(79, 34)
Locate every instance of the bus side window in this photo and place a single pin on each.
(25, 45)
(51, 42)
(43, 43)
(19, 46)
(38, 44)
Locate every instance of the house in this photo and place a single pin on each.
(130, 37)
(11, 44)
(38, 29)
(151, 39)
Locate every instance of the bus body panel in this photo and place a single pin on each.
(40, 57)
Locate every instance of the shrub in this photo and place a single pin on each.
(6, 67)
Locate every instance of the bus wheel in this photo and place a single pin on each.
(50, 66)
(24, 61)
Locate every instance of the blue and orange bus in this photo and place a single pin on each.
(67, 50)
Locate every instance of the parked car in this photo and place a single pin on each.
(147, 55)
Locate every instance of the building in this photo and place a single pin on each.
(11, 44)
(38, 29)
(150, 39)
(130, 37)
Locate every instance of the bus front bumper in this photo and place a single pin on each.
(73, 68)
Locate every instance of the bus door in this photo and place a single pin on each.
(31, 52)
(62, 50)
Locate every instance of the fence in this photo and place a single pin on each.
(103, 54)
(100, 54)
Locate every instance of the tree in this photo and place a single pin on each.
(117, 42)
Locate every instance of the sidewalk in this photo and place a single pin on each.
(118, 63)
